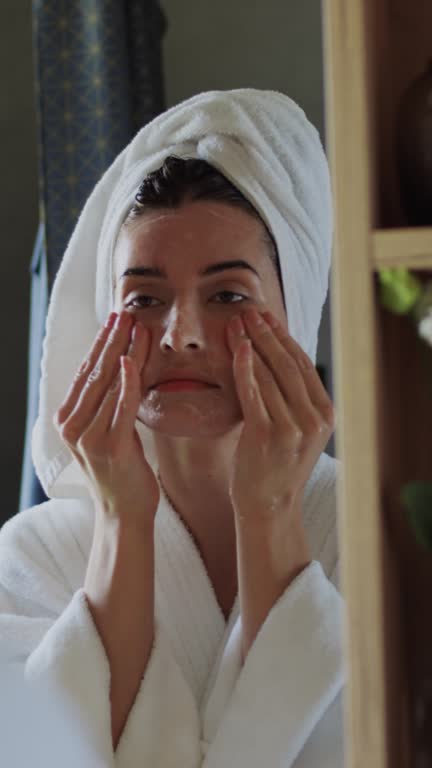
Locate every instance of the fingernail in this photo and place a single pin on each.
(271, 320)
(122, 319)
(133, 334)
(237, 326)
(143, 329)
(255, 317)
(111, 319)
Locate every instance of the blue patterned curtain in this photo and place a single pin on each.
(98, 80)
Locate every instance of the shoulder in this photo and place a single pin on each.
(62, 518)
(49, 541)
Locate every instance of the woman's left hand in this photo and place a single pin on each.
(288, 420)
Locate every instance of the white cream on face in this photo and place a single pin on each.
(187, 329)
(196, 413)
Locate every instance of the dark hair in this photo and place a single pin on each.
(179, 180)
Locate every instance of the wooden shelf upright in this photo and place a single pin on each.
(373, 49)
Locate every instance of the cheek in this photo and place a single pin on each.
(221, 353)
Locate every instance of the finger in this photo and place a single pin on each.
(247, 389)
(123, 423)
(295, 424)
(140, 345)
(102, 421)
(278, 410)
(278, 377)
(312, 381)
(99, 380)
(80, 377)
(278, 355)
(302, 359)
(138, 352)
(294, 373)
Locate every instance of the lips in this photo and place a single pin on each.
(182, 385)
(189, 376)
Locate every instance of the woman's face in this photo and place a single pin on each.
(187, 312)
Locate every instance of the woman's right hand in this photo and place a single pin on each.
(97, 422)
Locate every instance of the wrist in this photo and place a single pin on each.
(270, 557)
(117, 517)
(121, 561)
(280, 547)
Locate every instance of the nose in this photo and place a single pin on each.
(183, 331)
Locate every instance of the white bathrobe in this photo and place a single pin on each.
(196, 706)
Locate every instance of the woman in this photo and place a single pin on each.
(198, 625)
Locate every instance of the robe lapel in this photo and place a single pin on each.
(267, 710)
(186, 603)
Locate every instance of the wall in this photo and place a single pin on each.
(274, 44)
(18, 222)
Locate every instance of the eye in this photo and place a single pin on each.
(230, 293)
(137, 298)
(219, 293)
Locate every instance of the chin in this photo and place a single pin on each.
(181, 416)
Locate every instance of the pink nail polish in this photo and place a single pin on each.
(272, 321)
(111, 320)
(237, 325)
(118, 321)
(256, 317)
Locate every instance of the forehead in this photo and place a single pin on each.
(198, 227)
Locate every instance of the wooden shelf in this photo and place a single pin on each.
(373, 50)
(405, 247)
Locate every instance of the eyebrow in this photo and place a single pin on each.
(220, 266)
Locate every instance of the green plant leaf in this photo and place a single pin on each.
(417, 499)
(399, 290)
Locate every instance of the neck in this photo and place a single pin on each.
(195, 475)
